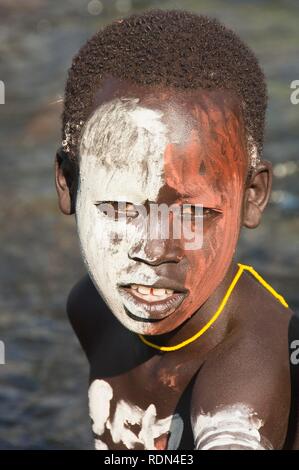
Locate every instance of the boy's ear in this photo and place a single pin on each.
(257, 194)
(65, 181)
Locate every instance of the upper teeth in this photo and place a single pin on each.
(145, 290)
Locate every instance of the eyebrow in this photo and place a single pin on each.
(214, 203)
(186, 195)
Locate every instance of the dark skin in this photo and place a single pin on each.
(243, 358)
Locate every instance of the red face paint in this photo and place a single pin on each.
(208, 167)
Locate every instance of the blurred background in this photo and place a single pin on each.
(43, 386)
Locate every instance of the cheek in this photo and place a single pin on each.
(207, 266)
(106, 245)
(100, 243)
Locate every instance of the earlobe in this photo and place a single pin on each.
(257, 194)
(63, 183)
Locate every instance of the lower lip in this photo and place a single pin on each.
(151, 311)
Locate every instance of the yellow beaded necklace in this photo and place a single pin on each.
(242, 267)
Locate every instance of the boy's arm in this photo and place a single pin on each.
(241, 397)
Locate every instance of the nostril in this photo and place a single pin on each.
(156, 252)
(135, 251)
(155, 259)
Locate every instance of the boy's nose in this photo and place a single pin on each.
(156, 252)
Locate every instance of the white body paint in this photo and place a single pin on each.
(117, 141)
(231, 427)
(252, 152)
(100, 396)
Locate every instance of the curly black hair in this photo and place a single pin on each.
(173, 48)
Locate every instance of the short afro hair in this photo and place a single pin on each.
(172, 48)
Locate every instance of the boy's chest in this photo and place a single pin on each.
(145, 408)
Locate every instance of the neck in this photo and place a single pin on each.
(201, 317)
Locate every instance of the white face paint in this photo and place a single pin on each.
(126, 414)
(118, 141)
(232, 427)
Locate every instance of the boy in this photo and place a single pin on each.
(187, 350)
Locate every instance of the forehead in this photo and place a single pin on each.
(135, 142)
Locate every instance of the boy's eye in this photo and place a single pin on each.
(206, 211)
(114, 209)
(130, 210)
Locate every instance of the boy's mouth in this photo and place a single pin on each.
(149, 303)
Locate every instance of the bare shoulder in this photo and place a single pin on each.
(250, 369)
(244, 377)
(88, 314)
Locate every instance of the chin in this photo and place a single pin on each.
(147, 326)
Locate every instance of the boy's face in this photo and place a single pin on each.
(152, 145)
